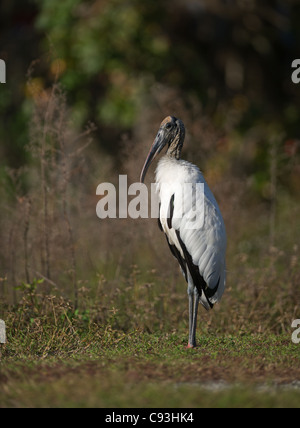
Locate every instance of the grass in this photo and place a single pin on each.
(56, 356)
(151, 370)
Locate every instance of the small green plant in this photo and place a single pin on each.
(30, 290)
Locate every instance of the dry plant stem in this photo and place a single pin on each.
(12, 253)
(273, 174)
(26, 251)
(44, 186)
(72, 243)
(61, 137)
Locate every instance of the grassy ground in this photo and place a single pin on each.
(125, 344)
(72, 366)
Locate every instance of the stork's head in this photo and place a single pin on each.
(171, 133)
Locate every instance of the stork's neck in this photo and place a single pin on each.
(174, 150)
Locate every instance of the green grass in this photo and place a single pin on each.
(107, 368)
(96, 385)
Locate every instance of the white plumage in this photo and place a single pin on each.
(206, 240)
(191, 220)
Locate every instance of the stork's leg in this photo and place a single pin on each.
(193, 312)
(191, 318)
(195, 316)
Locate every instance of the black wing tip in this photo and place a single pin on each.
(198, 280)
(210, 292)
(158, 219)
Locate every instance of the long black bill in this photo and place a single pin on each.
(158, 145)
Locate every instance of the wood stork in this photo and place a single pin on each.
(200, 249)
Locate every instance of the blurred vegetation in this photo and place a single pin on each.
(109, 55)
(224, 67)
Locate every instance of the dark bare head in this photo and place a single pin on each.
(171, 133)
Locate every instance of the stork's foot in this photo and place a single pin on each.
(191, 346)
